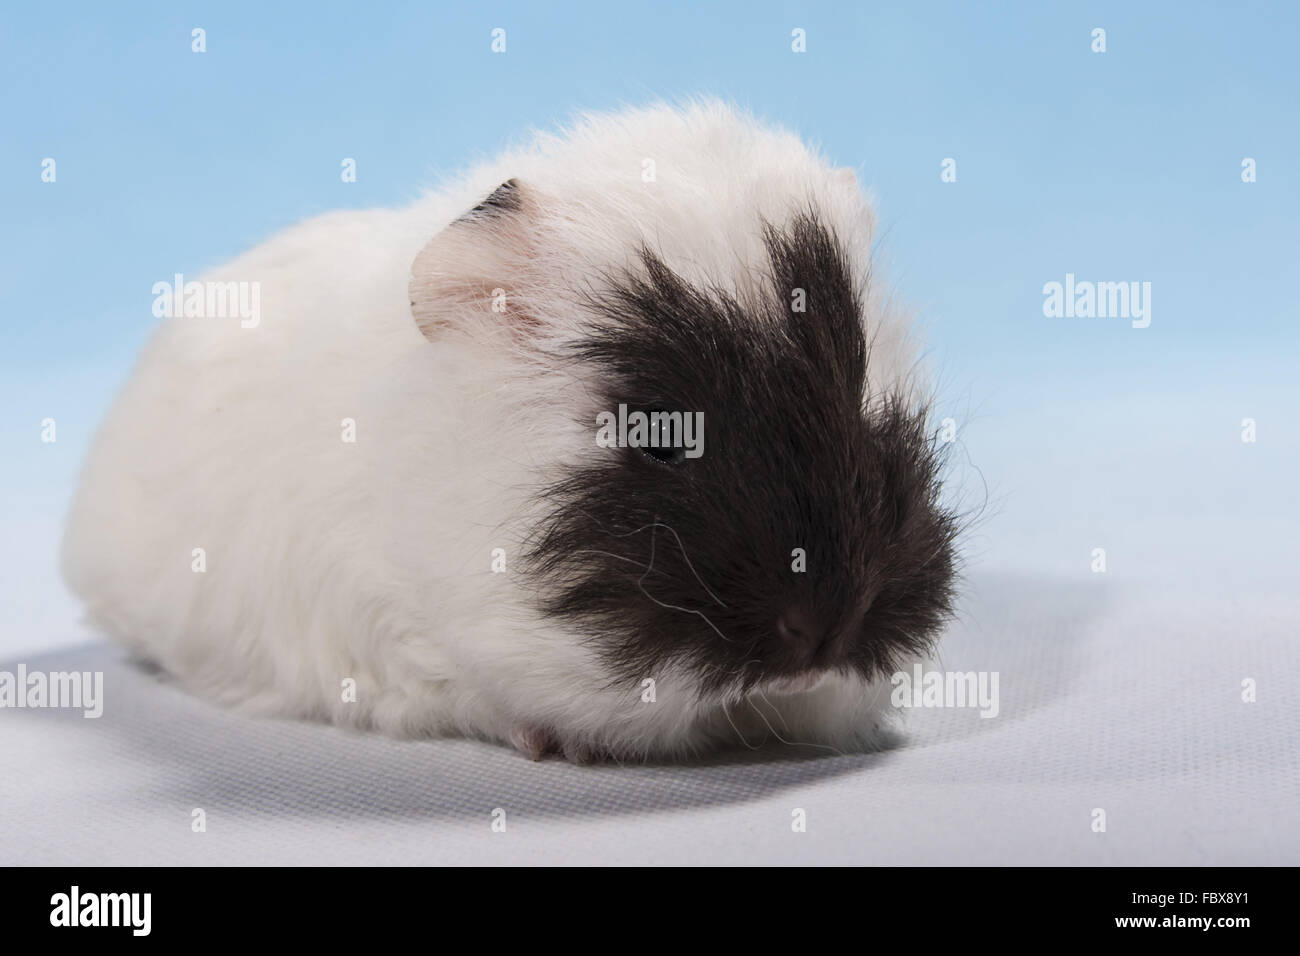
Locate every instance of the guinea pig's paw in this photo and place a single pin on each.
(538, 742)
(577, 752)
(534, 742)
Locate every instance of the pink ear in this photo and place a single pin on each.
(472, 274)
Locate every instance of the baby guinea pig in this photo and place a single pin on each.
(412, 493)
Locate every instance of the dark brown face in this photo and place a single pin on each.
(806, 537)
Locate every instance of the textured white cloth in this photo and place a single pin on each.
(1118, 697)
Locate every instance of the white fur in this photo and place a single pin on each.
(371, 560)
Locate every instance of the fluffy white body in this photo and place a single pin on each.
(326, 560)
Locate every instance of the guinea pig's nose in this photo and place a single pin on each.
(799, 626)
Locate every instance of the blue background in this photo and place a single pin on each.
(1079, 433)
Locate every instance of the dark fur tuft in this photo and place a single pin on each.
(505, 198)
(691, 563)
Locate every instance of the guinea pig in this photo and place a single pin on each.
(613, 448)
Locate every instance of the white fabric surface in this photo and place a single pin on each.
(1112, 696)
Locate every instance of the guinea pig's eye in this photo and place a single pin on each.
(666, 443)
(669, 456)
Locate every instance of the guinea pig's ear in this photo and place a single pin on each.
(472, 275)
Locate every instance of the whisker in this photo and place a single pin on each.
(792, 743)
(687, 558)
(611, 554)
(775, 709)
(680, 547)
(726, 713)
(673, 607)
